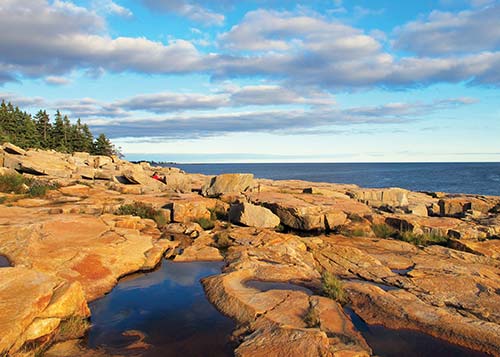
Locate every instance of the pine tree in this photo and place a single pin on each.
(44, 128)
(21, 129)
(58, 134)
(88, 139)
(103, 146)
(30, 137)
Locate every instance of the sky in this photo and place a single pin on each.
(264, 81)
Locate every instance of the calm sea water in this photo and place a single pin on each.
(478, 178)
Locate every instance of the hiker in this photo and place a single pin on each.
(159, 178)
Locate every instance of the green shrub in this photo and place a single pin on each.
(72, 328)
(355, 217)
(222, 240)
(332, 287)
(205, 223)
(218, 213)
(142, 210)
(350, 232)
(12, 183)
(3, 199)
(383, 230)
(18, 184)
(312, 317)
(40, 188)
(422, 239)
(280, 228)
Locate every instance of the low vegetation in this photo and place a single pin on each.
(72, 328)
(19, 184)
(222, 240)
(422, 239)
(218, 213)
(383, 230)
(312, 317)
(206, 223)
(350, 231)
(142, 210)
(332, 287)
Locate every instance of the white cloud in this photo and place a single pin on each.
(47, 39)
(189, 9)
(444, 33)
(112, 8)
(57, 81)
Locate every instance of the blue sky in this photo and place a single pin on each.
(251, 81)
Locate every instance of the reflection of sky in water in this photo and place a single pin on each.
(170, 307)
(395, 343)
(4, 262)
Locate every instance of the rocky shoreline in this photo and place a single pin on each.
(437, 254)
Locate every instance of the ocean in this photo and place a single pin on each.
(474, 178)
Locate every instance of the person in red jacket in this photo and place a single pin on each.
(159, 178)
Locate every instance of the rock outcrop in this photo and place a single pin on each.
(34, 305)
(228, 183)
(67, 248)
(251, 215)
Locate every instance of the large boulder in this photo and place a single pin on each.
(378, 197)
(13, 149)
(190, 207)
(252, 216)
(136, 175)
(228, 183)
(38, 162)
(309, 212)
(459, 206)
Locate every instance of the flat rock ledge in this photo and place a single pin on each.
(68, 248)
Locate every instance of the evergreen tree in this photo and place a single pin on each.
(58, 134)
(67, 134)
(44, 128)
(103, 146)
(21, 129)
(30, 137)
(88, 139)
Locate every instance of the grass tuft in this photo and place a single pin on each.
(222, 240)
(311, 318)
(142, 210)
(19, 184)
(383, 230)
(205, 223)
(72, 328)
(332, 287)
(422, 239)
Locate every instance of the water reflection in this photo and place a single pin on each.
(387, 342)
(169, 307)
(4, 262)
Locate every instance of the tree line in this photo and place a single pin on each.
(22, 129)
